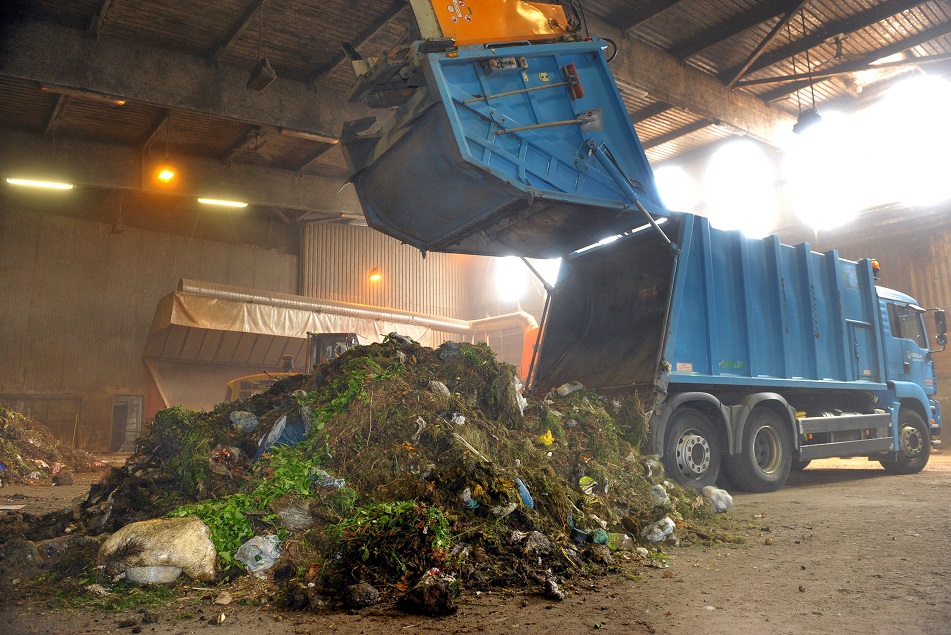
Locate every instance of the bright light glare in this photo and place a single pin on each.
(741, 189)
(510, 278)
(165, 175)
(221, 202)
(676, 188)
(826, 187)
(914, 159)
(50, 185)
(892, 152)
(548, 269)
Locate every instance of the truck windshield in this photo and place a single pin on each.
(906, 323)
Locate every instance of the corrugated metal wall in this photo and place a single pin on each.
(77, 303)
(336, 260)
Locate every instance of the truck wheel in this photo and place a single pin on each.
(691, 449)
(766, 458)
(914, 445)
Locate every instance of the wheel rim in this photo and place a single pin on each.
(767, 449)
(693, 454)
(910, 441)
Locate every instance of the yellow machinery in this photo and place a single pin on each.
(490, 21)
(322, 348)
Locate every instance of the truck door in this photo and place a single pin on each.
(914, 363)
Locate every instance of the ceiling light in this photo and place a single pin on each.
(111, 100)
(165, 173)
(263, 75)
(807, 119)
(375, 275)
(222, 202)
(50, 185)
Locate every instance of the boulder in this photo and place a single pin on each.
(164, 542)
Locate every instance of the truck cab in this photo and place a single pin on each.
(909, 359)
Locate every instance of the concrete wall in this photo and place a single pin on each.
(76, 304)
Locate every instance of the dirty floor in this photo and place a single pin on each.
(842, 548)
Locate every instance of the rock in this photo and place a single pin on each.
(224, 598)
(602, 554)
(172, 542)
(360, 596)
(244, 421)
(537, 544)
(63, 479)
(449, 350)
(659, 494)
(720, 499)
(439, 388)
(659, 531)
(566, 389)
(152, 574)
(19, 559)
(432, 595)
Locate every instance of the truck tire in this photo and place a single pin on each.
(914, 445)
(764, 462)
(691, 449)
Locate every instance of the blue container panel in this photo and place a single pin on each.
(440, 177)
(527, 157)
(753, 308)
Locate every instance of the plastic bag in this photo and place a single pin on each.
(259, 554)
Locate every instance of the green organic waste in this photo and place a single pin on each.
(396, 459)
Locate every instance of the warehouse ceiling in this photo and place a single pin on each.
(102, 91)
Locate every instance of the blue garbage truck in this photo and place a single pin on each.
(509, 137)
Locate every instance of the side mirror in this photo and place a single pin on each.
(941, 327)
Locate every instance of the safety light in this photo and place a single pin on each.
(50, 185)
(375, 275)
(876, 270)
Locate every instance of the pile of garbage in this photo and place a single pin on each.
(30, 454)
(398, 470)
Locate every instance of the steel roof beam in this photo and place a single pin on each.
(756, 15)
(794, 7)
(367, 33)
(95, 25)
(653, 8)
(854, 23)
(862, 63)
(665, 78)
(157, 127)
(238, 29)
(53, 123)
(667, 137)
(647, 112)
(54, 55)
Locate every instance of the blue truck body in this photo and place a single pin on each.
(753, 357)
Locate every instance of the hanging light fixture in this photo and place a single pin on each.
(809, 117)
(375, 275)
(166, 171)
(263, 75)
